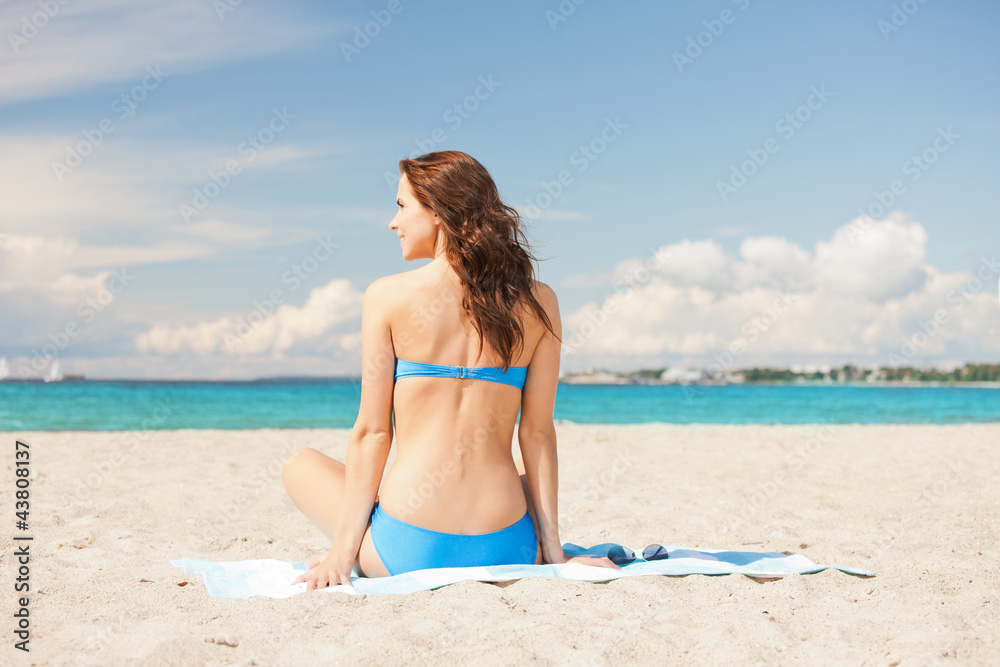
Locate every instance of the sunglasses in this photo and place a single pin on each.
(655, 552)
(620, 555)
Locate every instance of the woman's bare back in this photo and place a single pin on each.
(454, 471)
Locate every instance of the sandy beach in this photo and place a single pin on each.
(918, 505)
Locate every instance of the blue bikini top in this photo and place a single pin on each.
(514, 376)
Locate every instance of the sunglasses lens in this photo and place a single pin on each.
(620, 556)
(654, 552)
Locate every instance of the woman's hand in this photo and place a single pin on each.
(602, 561)
(331, 571)
(599, 561)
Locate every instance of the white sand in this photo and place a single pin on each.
(105, 593)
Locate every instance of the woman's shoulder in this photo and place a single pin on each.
(399, 292)
(392, 284)
(401, 287)
(545, 295)
(539, 288)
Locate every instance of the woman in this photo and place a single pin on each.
(450, 352)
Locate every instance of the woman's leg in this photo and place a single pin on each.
(315, 483)
(531, 506)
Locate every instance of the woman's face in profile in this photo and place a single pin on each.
(414, 223)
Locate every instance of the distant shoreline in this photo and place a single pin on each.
(573, 380)
(796, 383)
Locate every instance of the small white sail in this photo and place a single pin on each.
(4, 368)
(54, 374)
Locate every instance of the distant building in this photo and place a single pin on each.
(679, 374)
(594, 377)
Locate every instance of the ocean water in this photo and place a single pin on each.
(333, 403)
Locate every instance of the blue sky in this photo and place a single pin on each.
(224, 73)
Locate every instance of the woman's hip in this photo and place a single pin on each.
(405, 547)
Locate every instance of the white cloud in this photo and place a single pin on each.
(886, 261)
(127, 205)
(856, 296)
(686, 303)
(225, 232)
(773, 257)
(696, 263)
(119, 191)
(71, 288)
(48, 307)
(330, 318)
(34, 260)
(81, 44)
(43, 263)
(119, 187)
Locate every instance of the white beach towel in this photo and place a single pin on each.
(273, 578)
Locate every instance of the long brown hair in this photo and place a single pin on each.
(485, 244)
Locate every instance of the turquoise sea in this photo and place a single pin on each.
(333, 403)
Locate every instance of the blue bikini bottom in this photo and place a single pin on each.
(404, 547)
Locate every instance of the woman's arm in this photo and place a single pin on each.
(536, 432)
(541, 468)
(536, 435)
(371, 437)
